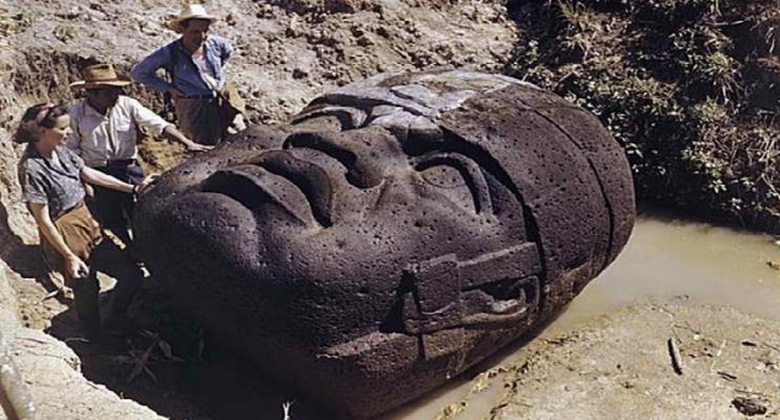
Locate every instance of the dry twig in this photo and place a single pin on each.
(717, 355)
(674, 352)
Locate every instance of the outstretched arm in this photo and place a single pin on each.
(96, 177)
(173, 133)
(151, 121)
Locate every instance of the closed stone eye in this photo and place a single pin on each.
(445, 169)
(365, 155)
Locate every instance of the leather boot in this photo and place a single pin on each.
(87, 303)
(127, 287)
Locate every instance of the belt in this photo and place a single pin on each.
(121, 162)
(68, 210)
(211, 95)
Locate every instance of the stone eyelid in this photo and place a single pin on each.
(468, 169)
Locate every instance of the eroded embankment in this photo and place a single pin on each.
(286, 53)
(45, 365)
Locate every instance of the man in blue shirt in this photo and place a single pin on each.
(196, 65)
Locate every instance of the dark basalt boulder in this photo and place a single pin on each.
(396, 232)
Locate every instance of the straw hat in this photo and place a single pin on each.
(190, 11)
(99, 75)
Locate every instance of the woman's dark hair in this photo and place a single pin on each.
(35, 118)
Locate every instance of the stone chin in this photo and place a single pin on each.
(397, 231)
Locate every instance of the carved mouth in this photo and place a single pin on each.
(301, 188)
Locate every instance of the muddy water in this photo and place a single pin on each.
(665, 260)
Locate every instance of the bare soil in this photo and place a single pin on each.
(620, 366)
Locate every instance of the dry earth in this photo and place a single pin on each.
(620, 367)
(288, 52)
(623, 369)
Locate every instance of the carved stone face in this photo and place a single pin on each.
(399, 229)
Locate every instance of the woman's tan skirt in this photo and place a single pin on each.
(81, 233)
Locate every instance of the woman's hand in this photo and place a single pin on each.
(75, 267)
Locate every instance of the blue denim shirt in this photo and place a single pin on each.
(185, 77)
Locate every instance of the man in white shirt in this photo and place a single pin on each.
(105, 128)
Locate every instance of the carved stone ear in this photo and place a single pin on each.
(444, 290)
(434, 303)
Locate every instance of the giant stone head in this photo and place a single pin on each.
(396, 232)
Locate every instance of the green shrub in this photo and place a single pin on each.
(684, 86)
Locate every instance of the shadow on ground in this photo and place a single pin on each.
(165, 362)
(26, 260)
(168, 364)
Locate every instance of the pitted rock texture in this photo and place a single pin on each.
(396, 232)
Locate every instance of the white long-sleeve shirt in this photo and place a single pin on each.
(99, 139)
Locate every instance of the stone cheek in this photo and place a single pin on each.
(398, 231)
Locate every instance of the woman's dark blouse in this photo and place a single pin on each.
(45, 182)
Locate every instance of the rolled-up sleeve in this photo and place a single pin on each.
(33, 190)
(145, 72)
(225, 50)
(146, 118)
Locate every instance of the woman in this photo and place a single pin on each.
(52, 179)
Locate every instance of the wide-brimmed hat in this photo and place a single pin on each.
(190, 11)
(100, 75)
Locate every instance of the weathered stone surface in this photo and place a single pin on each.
(396, 232)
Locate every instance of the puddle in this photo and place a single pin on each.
(665, 260)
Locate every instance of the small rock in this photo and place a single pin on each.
(73, 13)
(365, 41)
(299, 73)
(340, 6)
(749, 406)
(231, 20)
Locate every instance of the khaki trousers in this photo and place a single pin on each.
(206, 120)
(82, 234)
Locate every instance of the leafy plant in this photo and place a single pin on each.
(65, 33)
(691, 101)
(13, 24)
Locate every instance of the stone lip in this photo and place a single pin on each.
(454, 211)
